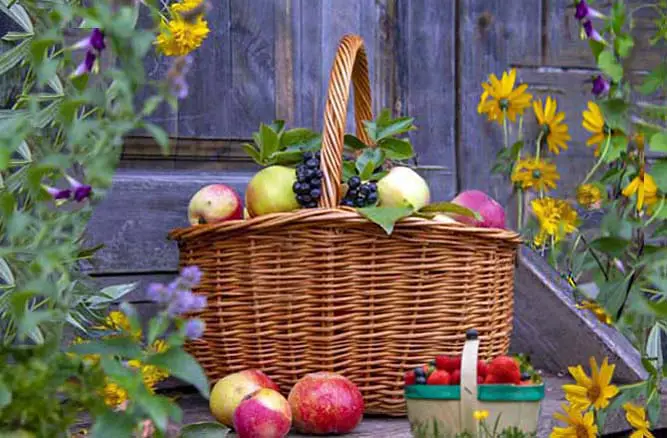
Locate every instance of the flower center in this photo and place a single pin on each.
(545, 129)
(582, 432)
(537, 174)
(594, 393)
(504, 104)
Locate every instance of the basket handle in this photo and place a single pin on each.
(350, 66)
(469, 382)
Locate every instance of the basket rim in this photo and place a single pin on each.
(332, 216)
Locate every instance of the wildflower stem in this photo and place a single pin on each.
(538, 146)
(596, 258)
(519, 218)
(600, 160)
(656, 213)
(506, 140)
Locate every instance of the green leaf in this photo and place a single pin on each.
(615, 113)
(269, 141)
(18, 14)
(612, 295)
(56, 85)
(204, 430)
(183, 366)
(24, 151)
(608, 64)
(449, 207)
(151, 104)
(617, 145)
(5, 394)
(386, 217)
(654, 346)
(659, 174)
(298, 137)
(159, 408)
(396, 149)
(277, 126)
(349, 170)
(395, 127)
(13, 56)
(618, 16)
(596, 48)
(612, 246)
(354, 143)
(658, 142)
(252, 152)
(654, 80)
(624, 44)
(157, 327)
(112, 423)
(122, 346)
(653, 406)
(287, 158)
(113, 293)
(6, 273)
(159, 134)
(374, 156)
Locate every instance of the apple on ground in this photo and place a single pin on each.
(263, 414)
(325, 403)
(214, 203)
(229, 391)
(492, 213)
(270, 191)
(403, 185)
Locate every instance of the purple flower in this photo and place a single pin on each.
(94, 42)
(190, 276)
(194, 328)
(159, 293)
(86, 65)
(185, 301)
(600, 85)
(178, 86)
(81, 191)
(57, 193)
(585, 12)
(591, 33)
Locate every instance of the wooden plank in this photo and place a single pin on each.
(563, 46)
(308, 79)
(428, 57)
(199, 149)
(492, 36)
(141, 208)
(253, 85)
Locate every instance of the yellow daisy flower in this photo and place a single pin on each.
(185, 6)
(596, 310)
(553, 128)
(179, 37)
(577, 423)
(113, 394)
(594, 391)
(556, 219)
(594, 123)
(588, 195)
(481, 415)
(636, 416)
(533, 173)
(118, 321)
(645, 188)
(505, 99)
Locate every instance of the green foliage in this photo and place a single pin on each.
(274, 145)
(56, 128)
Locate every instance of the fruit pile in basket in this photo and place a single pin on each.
(503, 370)
(377, 179)
(320, 403)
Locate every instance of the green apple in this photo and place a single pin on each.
(270, 191)
(402, 186)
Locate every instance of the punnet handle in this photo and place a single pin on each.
(469, 402)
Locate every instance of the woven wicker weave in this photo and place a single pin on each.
(325, 289)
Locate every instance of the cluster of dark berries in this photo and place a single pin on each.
(360, 194)
(308, 185)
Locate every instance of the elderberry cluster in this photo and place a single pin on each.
(360, 194)
(308, 185)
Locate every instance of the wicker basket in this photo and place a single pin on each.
(325, 289)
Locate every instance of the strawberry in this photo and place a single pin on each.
(491, 380)
(410, 378)
(480, 380)
(448, 363)
(438, 377)
(455, 378)
(504, 369)
(482, 369)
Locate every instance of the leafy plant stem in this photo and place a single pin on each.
(600, 160)
(506, 140)
(538, 146)
(596, 258)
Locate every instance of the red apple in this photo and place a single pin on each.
(492, 213)
(270, 191)
(325, 403)
(229, 391)
(214, 203)
(263, 414)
